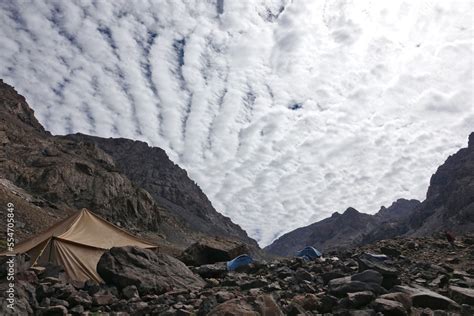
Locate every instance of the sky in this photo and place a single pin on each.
(282, 111)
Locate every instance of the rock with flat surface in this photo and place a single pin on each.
(368, 276)
(150, 272)
(212, 250)
(462, 295)
(389, 307)
(422, 297)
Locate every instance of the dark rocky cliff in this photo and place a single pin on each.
(58, 175)
(151, 169)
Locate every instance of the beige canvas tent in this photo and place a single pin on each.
(76, 243)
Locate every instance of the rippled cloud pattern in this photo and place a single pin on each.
(282, 111)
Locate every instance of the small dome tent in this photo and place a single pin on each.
(77, 243)
(309, 253)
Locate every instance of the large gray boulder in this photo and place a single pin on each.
(212, 250)
(150, 272)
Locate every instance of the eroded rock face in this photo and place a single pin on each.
(150, 272)
(151, 169)
(212, 250)
(65, 174)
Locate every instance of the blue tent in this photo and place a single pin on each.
(240, 261)
(309, 253)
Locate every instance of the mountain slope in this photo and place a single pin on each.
(151, 169)
(61, 174)
(449, 201)
(449, 205)
(340, 230)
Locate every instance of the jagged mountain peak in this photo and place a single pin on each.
(449, 205)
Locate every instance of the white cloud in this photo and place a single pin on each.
(381, 93)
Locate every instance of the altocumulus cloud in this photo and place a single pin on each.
(282, 111)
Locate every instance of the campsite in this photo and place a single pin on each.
(236, 158)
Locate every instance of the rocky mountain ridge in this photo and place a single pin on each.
(449, 205)
(52, 176)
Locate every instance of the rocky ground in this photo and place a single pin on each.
(413, 276)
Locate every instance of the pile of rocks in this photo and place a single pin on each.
(388, 278)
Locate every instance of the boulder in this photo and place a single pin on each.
(216, 270)
(390, 251)
(235, 307)
(212, 250)
(399, 297)
(248, 306)
(58, 310)
(372, 262)
(266, 305)
(307, 301)
(130, 292)
(368, 276)
(462, 295)
(422, 297)
(150, 272)
(103, 299)
(367, 261)
(389, 307)
(358, 299)
(340, 287)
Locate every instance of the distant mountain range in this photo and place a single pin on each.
(449, 205)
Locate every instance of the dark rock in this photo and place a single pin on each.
(62, 291)
(362, 312)
(462, 295)
(91, 287)
(149, 271)
(400, 297)
(223, 296)
(235, 307)
(80, 298)
(256, 283)
(390, 251)
(266, 305)
(130, 292)
(103, 299)
(342, 286)
(368, 276)
(207, 305)
(263, 305)
(367, 261)
(422, 297)
(308, 301)
(216, 270)
(389, 307)
(433, 300)
(212, 250)
(303, 275)
(326, 303)
(358, 299)
(77, 310)
(328, 276)
(54, 301)
(58, 310)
